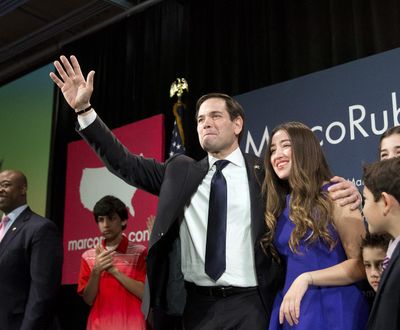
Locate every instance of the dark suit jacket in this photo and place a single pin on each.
(175, 181)
(385, 313)
(30, 272)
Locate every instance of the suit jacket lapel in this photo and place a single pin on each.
(385, 274)
(15, 228)
(196, 173)
(392, 261)
(254, 174)
(178, 197)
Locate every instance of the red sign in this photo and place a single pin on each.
(88, 180)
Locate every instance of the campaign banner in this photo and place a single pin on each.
(348, 107)
(88, 180)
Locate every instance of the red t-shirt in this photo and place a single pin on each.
(115, 308)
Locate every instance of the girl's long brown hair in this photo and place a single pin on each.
(309, 209)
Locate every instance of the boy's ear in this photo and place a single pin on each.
(124, 222)
(389, 202)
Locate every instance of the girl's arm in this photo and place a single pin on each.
(350, 228)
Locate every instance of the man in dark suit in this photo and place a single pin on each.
(178, 279)
(30, 259)
(382, 211)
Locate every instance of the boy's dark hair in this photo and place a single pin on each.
(375, 241)
(383, 176)
(107, 206)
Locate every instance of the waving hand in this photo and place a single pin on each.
(76, 90)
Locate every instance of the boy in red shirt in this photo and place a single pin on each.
(112, 275)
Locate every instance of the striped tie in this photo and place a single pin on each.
(385, 263)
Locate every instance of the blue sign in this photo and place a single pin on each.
(348, 107)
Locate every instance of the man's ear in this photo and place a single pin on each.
(24, 190)
(389, 202)
(238, 121)
(123, 223)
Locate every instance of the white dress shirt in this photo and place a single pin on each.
(85, 121)
(14, 215)
(240, 270)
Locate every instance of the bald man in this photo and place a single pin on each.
(30, 259)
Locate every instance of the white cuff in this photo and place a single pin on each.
(85, 121)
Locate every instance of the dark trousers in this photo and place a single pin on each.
(239, 311)
(159, 320)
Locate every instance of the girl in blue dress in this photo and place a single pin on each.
(317, 240)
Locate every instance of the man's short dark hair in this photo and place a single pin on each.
(232, 106)
(109, 205)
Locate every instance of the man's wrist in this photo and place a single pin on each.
(83, 109)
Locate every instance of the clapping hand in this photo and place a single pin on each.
(150, 223)
(104, 259)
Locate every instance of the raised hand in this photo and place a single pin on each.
(76, 90)
(150, 223)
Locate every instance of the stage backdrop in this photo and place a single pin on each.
(26, 107)
(88, 181)
(348, 107)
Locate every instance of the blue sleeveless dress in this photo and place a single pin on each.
(322, 308)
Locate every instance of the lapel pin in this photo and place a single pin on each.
(14, 228)
(257, 167)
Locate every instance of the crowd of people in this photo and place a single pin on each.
(237, 242)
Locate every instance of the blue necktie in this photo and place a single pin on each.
(215, 262)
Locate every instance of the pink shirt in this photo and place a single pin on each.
(115, 308)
